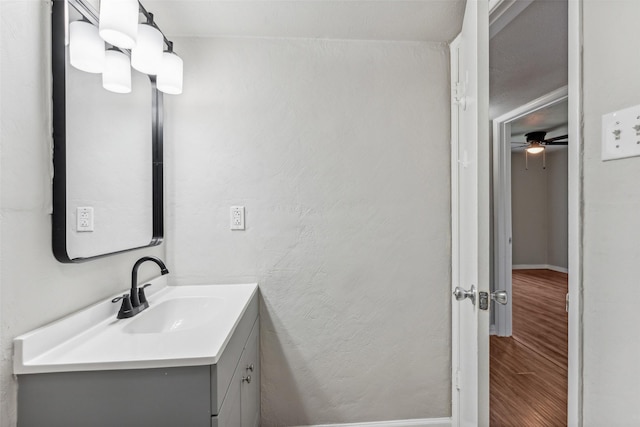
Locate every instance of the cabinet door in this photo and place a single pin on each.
(250, 390)
(229, 415)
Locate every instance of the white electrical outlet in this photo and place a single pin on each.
(237, 217)
(84, 218)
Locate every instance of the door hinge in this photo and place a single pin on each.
(459, 95)
(457, 379)
(566, 303)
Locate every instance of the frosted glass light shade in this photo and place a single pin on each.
(116, 76)
(146, 56)
(170, 76)
(86, 48)
(119, 22)
(535, 148)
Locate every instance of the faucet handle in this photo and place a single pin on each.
(126, 308)
(141, 296)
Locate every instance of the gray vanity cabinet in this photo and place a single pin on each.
(241, 407)
(217, 395)
(250, 386)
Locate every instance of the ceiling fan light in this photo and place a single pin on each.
(119, 22)
(170, 76)
(535, 149)
(117, 72)
(86, 48)
(146, 56)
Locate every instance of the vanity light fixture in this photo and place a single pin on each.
(140, 46)
(86, 48)
(170, 75)
(119, 22)
(116, 76)
(146, 55)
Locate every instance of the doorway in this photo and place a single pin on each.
(470, 370)
(529, 346)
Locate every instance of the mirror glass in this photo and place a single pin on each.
(103, 160)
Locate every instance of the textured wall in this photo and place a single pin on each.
(528, 209)
(34, 288)
(558, 207)
(340, 152)
(611, 253)
(539, 204)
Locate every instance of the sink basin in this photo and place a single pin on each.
(187, 325)
(177, 314)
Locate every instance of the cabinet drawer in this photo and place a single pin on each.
(223, 371)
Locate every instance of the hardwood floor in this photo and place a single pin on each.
(528, 372)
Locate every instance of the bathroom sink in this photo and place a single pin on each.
(188, 325)
(177, 314)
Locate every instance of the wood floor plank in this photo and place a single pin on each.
(528, 372)
(539, 317)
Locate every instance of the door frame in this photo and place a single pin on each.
(574, 401)
(502, 219)
(455, 323)
(502, 232)
(575, 381)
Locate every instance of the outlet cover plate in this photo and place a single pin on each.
(84, 219)
(237, 217)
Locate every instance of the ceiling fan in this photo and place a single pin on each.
(536, 143)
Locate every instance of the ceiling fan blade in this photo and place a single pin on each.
(556, 138)
(556, 143)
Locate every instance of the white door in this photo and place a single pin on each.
(470, 216)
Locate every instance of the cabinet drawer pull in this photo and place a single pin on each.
(247, 379)
(250, 368)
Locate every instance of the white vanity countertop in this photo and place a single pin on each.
(184, 326)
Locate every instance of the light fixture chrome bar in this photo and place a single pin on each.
(151, 21)
(85, 10)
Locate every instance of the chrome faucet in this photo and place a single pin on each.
(136, 301)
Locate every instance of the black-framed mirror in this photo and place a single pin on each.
(107, 155)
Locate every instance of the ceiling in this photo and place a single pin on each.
(553, 120)
(550, 119)
(397, 20)
(528, 58)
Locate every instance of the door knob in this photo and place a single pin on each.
(461, 294)
(501, 297)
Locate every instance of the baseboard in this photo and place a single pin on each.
(540, 267)
(423, 422)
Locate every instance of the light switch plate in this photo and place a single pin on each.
(621, 134)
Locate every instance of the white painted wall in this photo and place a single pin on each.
(611, 252)
(557, 207)
(539, 209)
(528, 209)
(340, 152)
(34, 288)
